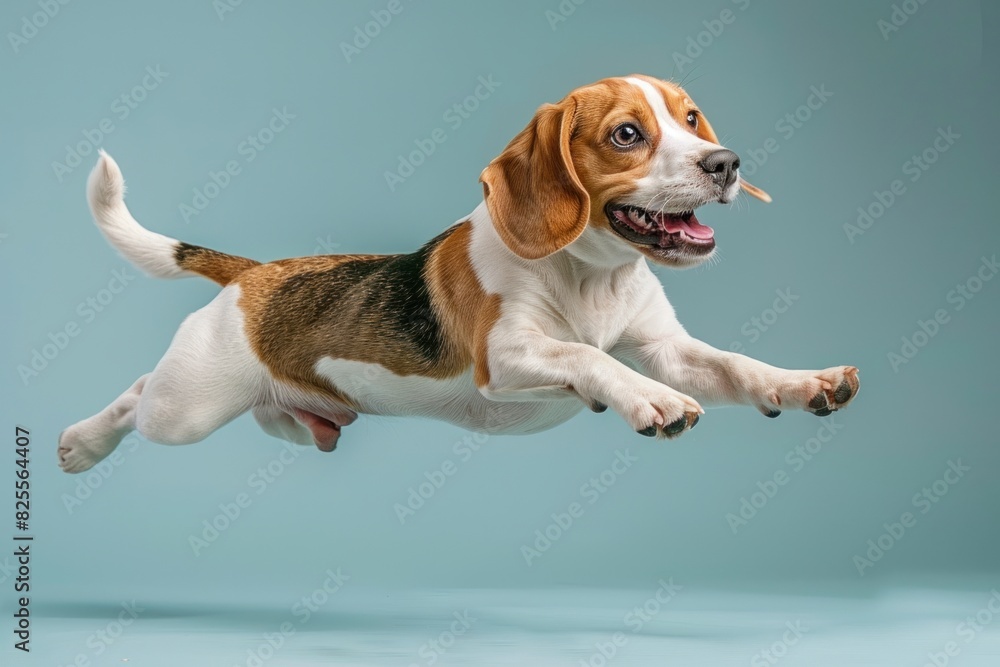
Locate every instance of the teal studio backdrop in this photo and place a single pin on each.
(283, 129)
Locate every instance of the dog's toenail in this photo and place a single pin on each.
(772, 413)
(598, 407)
(823, 412)
(694, 422)
(649, 431)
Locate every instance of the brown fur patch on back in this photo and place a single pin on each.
(212, 264)
(412, 314)
(467, 312)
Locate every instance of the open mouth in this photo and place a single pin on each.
(660, 230)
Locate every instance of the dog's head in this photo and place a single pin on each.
(627, 160)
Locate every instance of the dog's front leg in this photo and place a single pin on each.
(717, 377)
(532, 366)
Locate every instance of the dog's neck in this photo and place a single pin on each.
(590, 258)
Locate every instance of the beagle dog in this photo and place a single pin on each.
(537, 304)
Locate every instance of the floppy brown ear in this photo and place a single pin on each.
(532, 191)
(709, 134)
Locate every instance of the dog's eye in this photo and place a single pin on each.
(692, 119)
(625, 135)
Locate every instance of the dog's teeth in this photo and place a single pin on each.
(633, 216)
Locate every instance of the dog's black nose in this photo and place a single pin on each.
(722, 165)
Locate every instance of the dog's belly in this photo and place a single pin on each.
(378, 391)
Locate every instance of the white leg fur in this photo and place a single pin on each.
(86, 443)
(658, 345)
(530, 366)
(208, 377)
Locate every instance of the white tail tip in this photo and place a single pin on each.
(106, 185)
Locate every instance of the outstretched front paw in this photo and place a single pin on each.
(655, 410)
(818, 392)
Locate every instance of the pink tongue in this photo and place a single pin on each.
(691, 227)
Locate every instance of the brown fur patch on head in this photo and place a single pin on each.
(679, 104)
(609, 174)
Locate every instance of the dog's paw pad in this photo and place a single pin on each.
(843, 393)
(675, 427)
(829, 400)
(818, 402)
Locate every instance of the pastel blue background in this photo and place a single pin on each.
(320, 186)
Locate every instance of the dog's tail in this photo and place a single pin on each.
(155, 254)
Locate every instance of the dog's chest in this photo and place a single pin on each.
(378, 391)
(594, 315)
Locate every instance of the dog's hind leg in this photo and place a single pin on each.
(208, 377)
(86, 443)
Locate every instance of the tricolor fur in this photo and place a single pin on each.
(539, 303)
